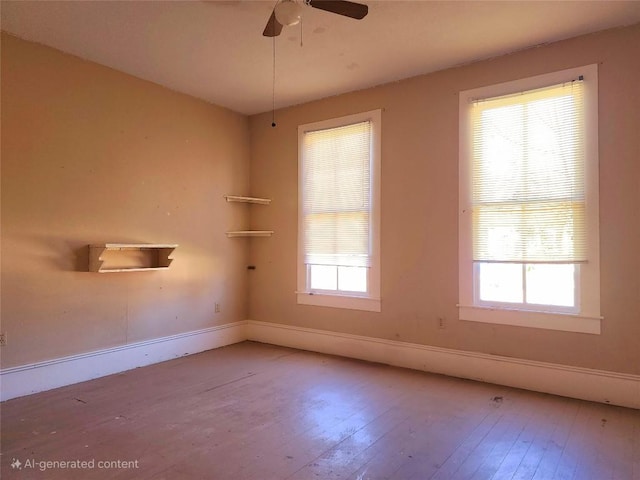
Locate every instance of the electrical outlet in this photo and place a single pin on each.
(3, 339)
(442, 323)
(217, 307)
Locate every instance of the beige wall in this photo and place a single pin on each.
(419, 209)
(91, 155)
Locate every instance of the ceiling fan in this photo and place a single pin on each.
(288, 12)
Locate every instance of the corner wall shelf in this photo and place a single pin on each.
(249, 233)
(130, 257)
(238, 198)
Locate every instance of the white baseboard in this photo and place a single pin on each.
(587, 384)
(583, 383)
(41, 376)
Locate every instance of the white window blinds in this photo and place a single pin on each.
(337, 195)
(528, 193)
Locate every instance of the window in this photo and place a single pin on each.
(528, 218)
(339, 202)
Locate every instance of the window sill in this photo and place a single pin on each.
(339, 301)
(523, 318)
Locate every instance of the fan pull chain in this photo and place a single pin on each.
(301, 19)
(273, 92)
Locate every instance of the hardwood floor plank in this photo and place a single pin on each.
(574, 448)
(453, 413)
(618, 442)
(635, 441)
(254, 411)
(549, 418)
(486, 419)
(492, 448)
(555, 446)
(508, 456)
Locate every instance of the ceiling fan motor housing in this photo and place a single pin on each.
(288, 13)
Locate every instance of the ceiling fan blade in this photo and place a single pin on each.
(341, 7)
(273, 27)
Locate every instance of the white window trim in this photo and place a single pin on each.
(589, 319)
(357, 301)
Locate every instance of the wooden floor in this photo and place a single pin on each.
(253, 411)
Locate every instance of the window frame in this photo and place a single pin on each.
(533, 307)
(369, 301)
(586, 317)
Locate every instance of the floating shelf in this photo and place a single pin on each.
(130, 257)
(237, 198)
(250, 233)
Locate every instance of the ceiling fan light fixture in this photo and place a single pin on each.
(288, 13)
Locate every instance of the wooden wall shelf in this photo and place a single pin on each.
(238, 198)
(130, 257)
(249, 233)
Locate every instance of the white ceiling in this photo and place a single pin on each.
(215, 50)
